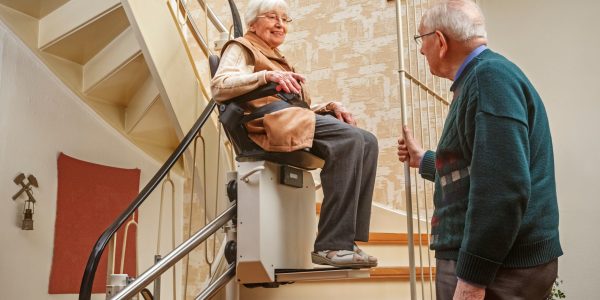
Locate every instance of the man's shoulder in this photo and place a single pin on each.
(496, 65)
(493, 71)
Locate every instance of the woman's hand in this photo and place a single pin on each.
(289, 82)
(341, 113)
(409, 149)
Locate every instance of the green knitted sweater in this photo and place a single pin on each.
(495, 195)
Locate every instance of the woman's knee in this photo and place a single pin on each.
(370, 140)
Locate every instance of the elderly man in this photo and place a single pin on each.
(495, 225)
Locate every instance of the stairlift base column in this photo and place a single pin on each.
(276, 223)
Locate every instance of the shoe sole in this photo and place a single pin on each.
(320, 260)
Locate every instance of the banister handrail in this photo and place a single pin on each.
(195, 32)
(212, 17)
(85, 291)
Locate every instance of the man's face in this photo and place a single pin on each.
(431, 50)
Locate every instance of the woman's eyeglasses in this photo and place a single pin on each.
(274, 18)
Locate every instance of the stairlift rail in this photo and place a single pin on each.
(177, 254)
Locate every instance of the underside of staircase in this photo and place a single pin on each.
(92, 48)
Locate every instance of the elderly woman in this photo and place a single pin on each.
(329, 130)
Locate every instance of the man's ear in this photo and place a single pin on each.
(442, 43)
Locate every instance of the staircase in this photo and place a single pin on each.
(97, 49)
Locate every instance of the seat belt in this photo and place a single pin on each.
(266, 109)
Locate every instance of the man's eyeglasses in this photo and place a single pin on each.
(274, 18)
(418, 38)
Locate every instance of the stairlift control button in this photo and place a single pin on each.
(291, 176)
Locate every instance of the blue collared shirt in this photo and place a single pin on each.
(469, 58)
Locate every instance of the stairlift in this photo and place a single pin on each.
(272, 237)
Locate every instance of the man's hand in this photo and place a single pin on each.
(409, 149)
(289, 82)
(341, 113)
(467, 291)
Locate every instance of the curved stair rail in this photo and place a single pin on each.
(85, 291)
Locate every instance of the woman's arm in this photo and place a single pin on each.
(235, 75)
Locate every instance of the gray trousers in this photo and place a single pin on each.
(347, 178)
(533, 283)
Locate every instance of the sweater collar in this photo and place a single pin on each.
(467, 65)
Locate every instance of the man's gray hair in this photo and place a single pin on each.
(258, 7)
(459, 19)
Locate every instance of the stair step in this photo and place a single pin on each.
(386, 238)
(391, 273)
(401, 273)
(36, 9)
(79, 29)
(109, 60)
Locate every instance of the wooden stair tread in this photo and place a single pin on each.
(392, 273)
(386, 238)
(401, 273)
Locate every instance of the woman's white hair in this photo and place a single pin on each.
(460, 19)
(258, 7)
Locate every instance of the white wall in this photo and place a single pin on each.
(40, 117)
(556, 43)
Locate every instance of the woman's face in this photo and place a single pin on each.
(271, 27)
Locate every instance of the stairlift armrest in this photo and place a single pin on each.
(269, 89)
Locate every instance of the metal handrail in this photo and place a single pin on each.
(177, 254)
(195, 31)
(85, 291)
(213, 18)
(404, 116)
